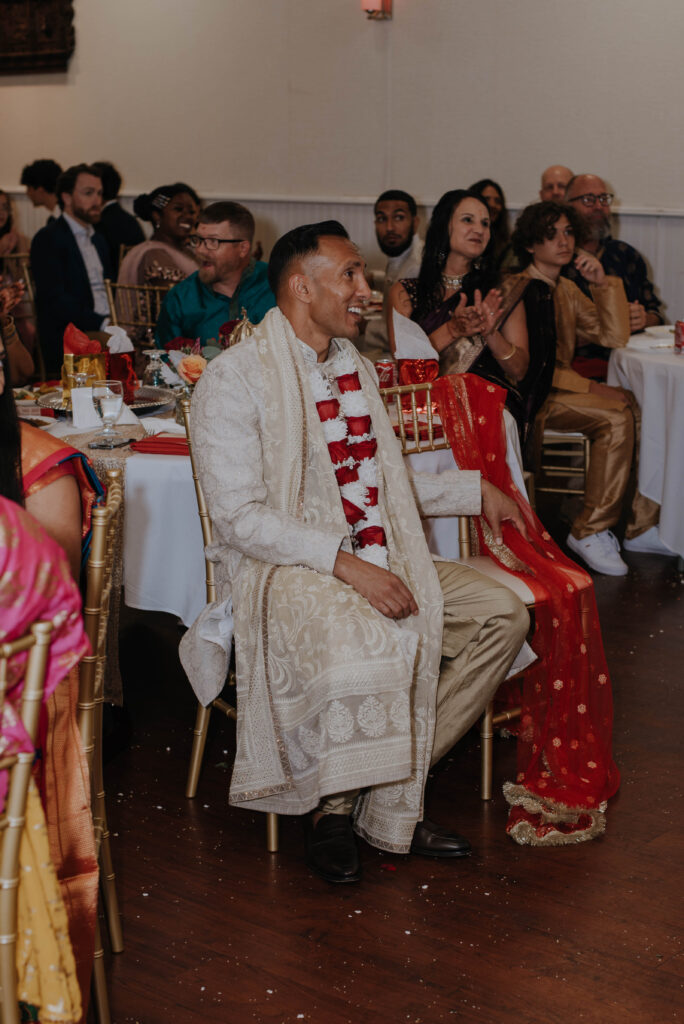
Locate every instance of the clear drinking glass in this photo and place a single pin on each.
(152, 375)
(108, 400)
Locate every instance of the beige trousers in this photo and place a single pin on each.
(614, 435)
(484, 627)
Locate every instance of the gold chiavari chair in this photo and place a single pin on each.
(419, 431)
(573, 449)
(36, 642)
(203, 714)
(18, 266)
(136, 307)
(14, 263)
(124, 249)
(105, 526)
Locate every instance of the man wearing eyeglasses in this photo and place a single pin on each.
(590, 198)
(229, 279)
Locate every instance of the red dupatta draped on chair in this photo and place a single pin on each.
(566, 771)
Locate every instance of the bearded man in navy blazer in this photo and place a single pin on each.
(70, 261)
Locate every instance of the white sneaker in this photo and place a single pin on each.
(648, 542)
(601, 552)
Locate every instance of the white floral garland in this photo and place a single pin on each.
(352, 403)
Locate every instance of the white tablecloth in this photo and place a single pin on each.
(163, 551)
(163, 554)
(657, 380)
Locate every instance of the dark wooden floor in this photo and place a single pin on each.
(218, 930)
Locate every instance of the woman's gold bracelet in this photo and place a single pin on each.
(514, 349)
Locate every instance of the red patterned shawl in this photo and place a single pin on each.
(565, 767)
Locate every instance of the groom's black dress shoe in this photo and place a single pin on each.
(331, 848)
(430, 840)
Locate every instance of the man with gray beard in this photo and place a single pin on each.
(592, 201)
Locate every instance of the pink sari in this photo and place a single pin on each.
(35, 582)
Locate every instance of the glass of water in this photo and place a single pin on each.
(153, 375)
(108, 400)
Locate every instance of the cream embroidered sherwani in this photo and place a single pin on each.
(332, 696)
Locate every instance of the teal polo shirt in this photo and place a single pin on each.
(193, 310)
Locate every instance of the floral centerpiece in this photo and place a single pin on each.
(190, 368)
(189, 358)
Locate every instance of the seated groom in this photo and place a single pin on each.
(229, 279)
(359, 661)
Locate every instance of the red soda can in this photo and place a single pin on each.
(679, 336)
(386, 370)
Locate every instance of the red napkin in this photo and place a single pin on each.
(161, 444)
(79, 344)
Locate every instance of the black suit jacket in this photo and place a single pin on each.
(63, 292)
(119, 227)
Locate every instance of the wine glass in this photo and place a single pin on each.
(108, 400)
(153, 376)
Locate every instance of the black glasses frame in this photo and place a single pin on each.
(194, 241)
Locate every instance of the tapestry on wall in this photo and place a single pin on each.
(35, 35)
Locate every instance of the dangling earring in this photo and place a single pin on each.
(441, 256)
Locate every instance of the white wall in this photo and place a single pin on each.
(282, 102)
(308, 98)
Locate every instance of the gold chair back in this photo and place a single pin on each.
(124, 249)
(205, 521)
(36, 643)
(98, 596)
(409, 423)
(203, 714)
(563, 455)
(135, 307)
(15, 263)
(414, 416)
(105, 523)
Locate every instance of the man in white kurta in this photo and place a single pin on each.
(351, 678)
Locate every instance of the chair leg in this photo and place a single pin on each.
(99, 984)
(109, 896)
(272, 833)
(104, 853)
(198, 744)
(487, 746)
(8, 983)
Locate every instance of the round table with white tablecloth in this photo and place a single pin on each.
(163, 559)
(656, 377)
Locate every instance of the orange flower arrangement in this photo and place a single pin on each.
(191, 368)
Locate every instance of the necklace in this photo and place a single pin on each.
(453, 282)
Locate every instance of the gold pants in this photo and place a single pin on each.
(614, 435)
(484, 627)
